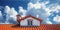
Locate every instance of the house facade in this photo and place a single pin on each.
(28, 20)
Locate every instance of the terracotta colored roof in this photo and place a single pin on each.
(41, 27)
(31, 17)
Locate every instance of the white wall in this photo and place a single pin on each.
(34, 22)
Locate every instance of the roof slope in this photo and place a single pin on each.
(42, 27)
(31, 17)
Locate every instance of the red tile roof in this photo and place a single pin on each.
(41, 27)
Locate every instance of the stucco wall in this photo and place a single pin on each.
(34, 22)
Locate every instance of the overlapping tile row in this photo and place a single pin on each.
(41, 27)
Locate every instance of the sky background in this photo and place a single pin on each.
(47, 10)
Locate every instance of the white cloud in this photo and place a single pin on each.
(10, 14)
(30, 5)
(48, 22)
(40, 6)
(1, 17)
(37, 5)
(54, 8)
(2, 23)
(37, 16)
(13, 14)
(23, 11)
(46, 2)
(0, 13)
(58, 7)
(57, 19)
(7, 9)
(47, 11)
(40, 10)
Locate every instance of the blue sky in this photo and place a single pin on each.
(47, 10)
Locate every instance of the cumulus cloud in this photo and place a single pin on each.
(48, 22)
(13, 13)
(54, 8)
(57, 19)
(1, 17)
(0, 13)
(7, 9)
(37, 5)
(22, 11)
(10, 15)
(51, 9)
(30, 5)
(39, 10)
(42, 9)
